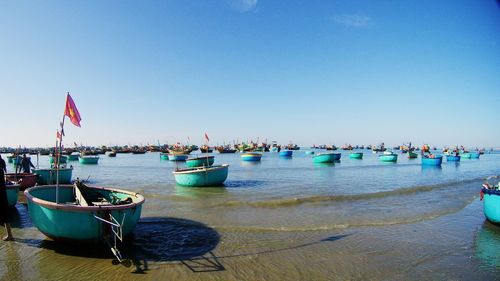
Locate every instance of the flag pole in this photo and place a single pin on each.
(58, 155)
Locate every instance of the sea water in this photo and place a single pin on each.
(283, 219)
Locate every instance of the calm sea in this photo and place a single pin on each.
(283, 219)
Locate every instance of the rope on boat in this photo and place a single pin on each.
(117, 230)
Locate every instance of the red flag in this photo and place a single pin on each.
(72, 112)
(206, 137)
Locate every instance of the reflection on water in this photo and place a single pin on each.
(487, 244)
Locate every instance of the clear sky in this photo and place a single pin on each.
(311, 72)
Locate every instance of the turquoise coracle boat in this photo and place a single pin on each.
(202, 176)
(452, 158)
(324, 158)
(48, 176)
(356, 155)
(200, 161)
(73, 157)
(474, 155)
(177, 157)
(436, 161)
(490, 194)
(83, 214)
(465, 155)
(388, 157)
(12, 194)
(163, 156)
(285, 153)
(88, 160)
(251, 156)
(309, 152)
(62, 159)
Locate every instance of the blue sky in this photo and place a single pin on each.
(311, 72)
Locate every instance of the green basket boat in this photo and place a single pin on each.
(388, 158)
(48, 176)
(88, 160)
(177, 157)
(202, 176)
(12, 194)
(62, 159)
(356, 155)
(465, 156)
(163, 156)
(78, 219)
(412, 155)
(201, 161)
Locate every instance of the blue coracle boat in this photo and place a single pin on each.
(436, 161)
(453, 158)
(202, 176)
(88, 159)
(49, 176)
(251, 156)
(177, 157)
(491, 201)
(286, 153)
(356, 155)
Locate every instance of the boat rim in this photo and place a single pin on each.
(66, 207)
(200, 158)
(53, 169)
(199, 169)
(251, 154)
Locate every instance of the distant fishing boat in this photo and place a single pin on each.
(202, 176)
(73, 156)
(226, 150)
(453, 158)
(388, 156)
(112, 154)
(62, 159)
(200, 161)
(285, 153)
(490, 194)
(163, 156)
(309, 152)
(79, 213)
(324, 158)
(25, 180)
(436, 161)
(356, 155)
(12, 194)
(49, 176)
(251, 156)
(88, 159)
(177, 157)
(206, 149)
(412, 155)
(274, 149)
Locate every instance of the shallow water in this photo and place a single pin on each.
(284, 218)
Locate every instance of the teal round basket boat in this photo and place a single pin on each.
(177, 157)
(388, 157)
(62, 159)
(474, 155)
(49, 176)
(453, 158)
(465, 155)
(436, 161)
(202, 176)
(356, 155)
(88, 160)
(309, 152)
(12, 194)
(83, 215)
(163, 156)
(251, 156)
(73, 157)
(201, 161)
(10, 158)
(324, 158)
(285, 153)
(490, 194)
